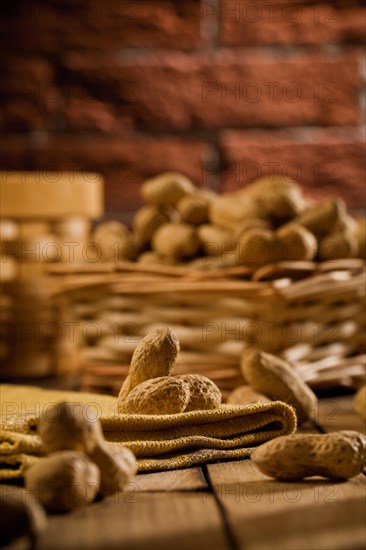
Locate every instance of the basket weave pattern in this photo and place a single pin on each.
(311, 314)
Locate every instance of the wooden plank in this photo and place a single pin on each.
(163, 521)
(339, 414)
(264, 513)
(190, 479)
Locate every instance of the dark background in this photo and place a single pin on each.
(221, 91)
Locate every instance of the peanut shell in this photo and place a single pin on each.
(193, 209)
(338, 455)
(115, 241)
(274, 377)
(203, 393)
(258, 247)
(320, 219)
(163, 395)
(167, 188)
(246, 394)
(63, 481)
(154, 356)
(176, 240)
(280, 198)
(117, 466)
(67, 426)
(215, 240)
(146, 222)
(232, 209)
(337, 246)
(299, 243)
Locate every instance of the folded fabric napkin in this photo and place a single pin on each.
(160, 442)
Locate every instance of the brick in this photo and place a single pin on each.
(100, 24)
(248, 23)
(124, 161)
(28, 94)
(326, 162)
(225, 89)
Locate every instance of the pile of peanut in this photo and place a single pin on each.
(150, 387)
(80, 464)
(268, 221)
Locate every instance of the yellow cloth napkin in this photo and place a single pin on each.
(160, 442)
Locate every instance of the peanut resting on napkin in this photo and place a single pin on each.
(150, 387)
(159, 442)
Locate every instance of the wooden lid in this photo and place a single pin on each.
(51, 194)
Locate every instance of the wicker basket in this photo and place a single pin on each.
(312, 314)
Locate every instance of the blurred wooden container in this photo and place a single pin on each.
(35, 335)
(50, 195)
(44, 216)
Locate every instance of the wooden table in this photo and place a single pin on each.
(225, 506)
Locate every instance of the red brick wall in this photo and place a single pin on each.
(223, 91)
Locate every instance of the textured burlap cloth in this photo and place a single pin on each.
(165, 442)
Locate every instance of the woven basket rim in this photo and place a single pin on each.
(284, 280)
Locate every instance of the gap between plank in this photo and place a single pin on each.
(231, 538)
